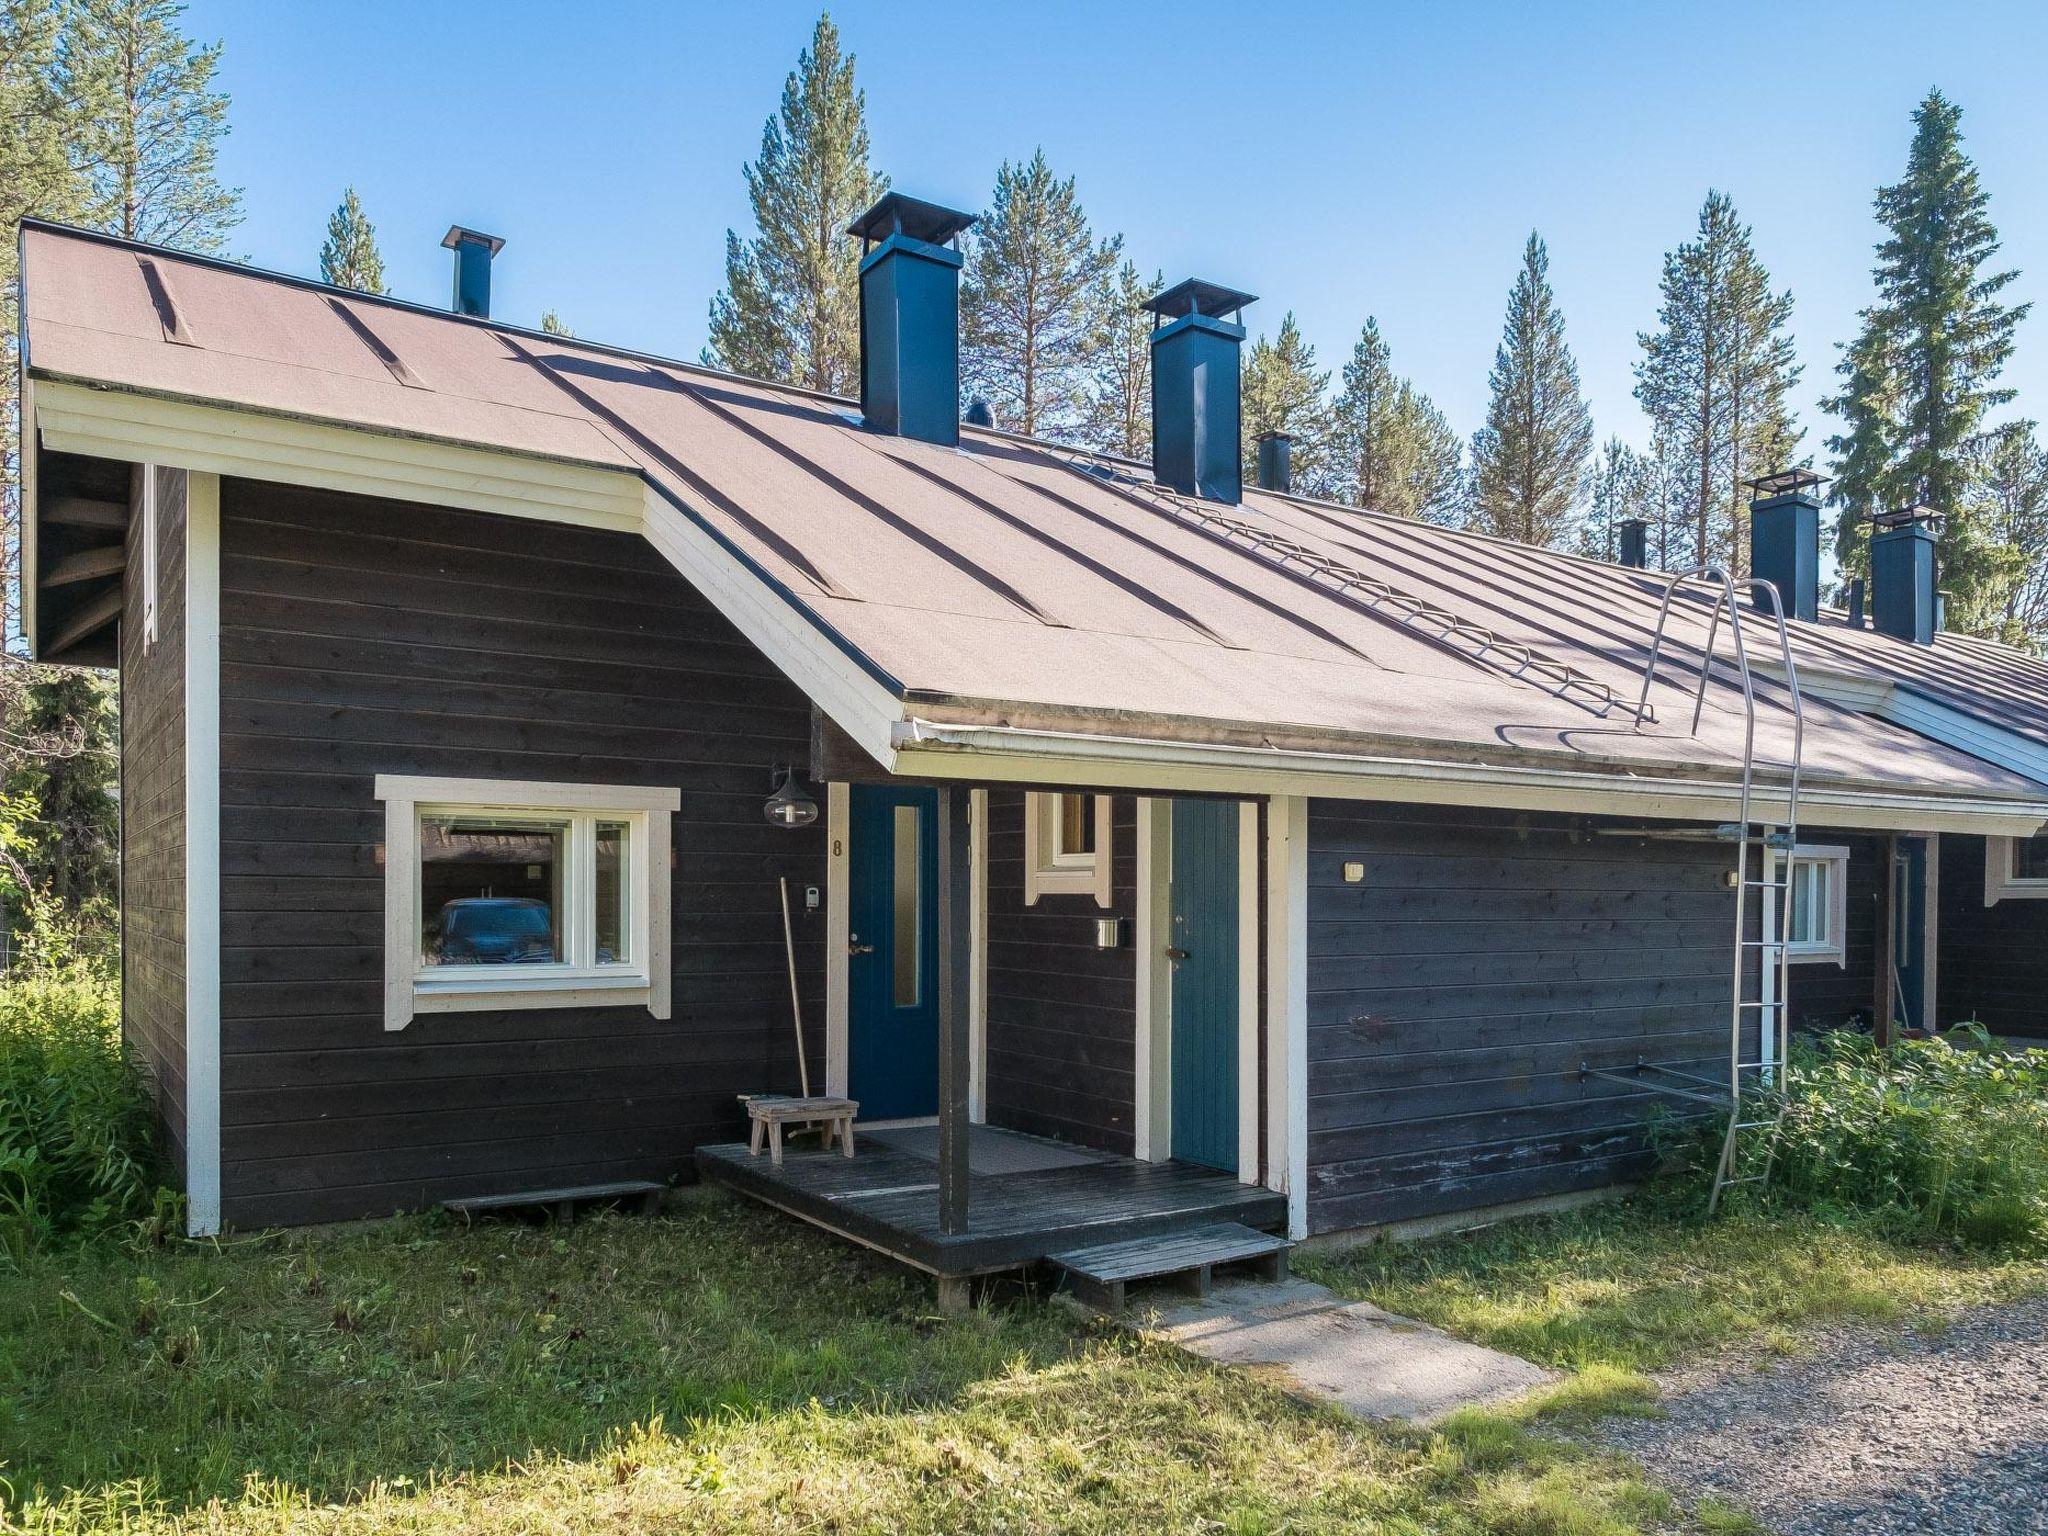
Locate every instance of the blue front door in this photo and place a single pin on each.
(1203, 944)
(892, 969)
(1909, 932)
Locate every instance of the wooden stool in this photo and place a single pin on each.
(771, 1112)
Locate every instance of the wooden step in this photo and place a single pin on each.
(564, 1201)
(1099, 1274)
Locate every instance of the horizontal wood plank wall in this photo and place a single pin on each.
(1061, 1012)
(361, 637)
(1993, 961)
(1826, 995)
(1454, 991)
(153, 814)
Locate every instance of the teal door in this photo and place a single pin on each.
(1203, 950)
(892, 968)
(1909, 932)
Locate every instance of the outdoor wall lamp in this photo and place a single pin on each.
(789, 806)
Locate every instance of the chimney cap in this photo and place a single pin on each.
(1197, 296)
(1787, 482)
(1910, 517)
(458, 235)
(1285, 437)
(895, 213)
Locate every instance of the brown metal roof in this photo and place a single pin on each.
(1011, 581)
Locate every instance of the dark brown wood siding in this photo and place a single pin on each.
(1992, 961)
(1061, 1012)
(1455, 990)
(153, 813)
(363, 637)
(1826, 995)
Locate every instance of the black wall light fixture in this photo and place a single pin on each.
(789, 806)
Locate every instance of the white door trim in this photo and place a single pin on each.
(1248, 992)
(1287, 1006)
(1152, 1062)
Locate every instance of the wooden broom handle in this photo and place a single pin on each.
(796, 1007)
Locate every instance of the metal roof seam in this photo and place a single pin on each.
(379, 347)
(174, 328)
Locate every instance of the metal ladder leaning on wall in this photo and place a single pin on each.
(1760, 844)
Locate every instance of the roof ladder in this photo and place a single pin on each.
(1750, 1094)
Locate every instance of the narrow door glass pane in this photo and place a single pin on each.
(491, 890)
(612, 914)
(1077, 824)
(904, 907)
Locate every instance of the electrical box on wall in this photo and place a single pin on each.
(1354, 874)
(1112, 933)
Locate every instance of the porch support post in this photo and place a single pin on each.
(1887, 939)
(956, 966)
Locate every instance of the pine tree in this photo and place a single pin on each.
(1529, 460)
(1918, 379)
(1120, 407)
(155, 125)
(350, 259)
(1622, 487)
(1035, 302)
(551, 323)
(1281, 391)
(1396, 451)
(2009, 503)
(1715, 379)
(791, 306)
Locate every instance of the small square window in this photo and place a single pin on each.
(1818, 906)
(1067, 843)
(505, 895)
(2015, 869)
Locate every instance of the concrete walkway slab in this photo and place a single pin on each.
(1374, 1363)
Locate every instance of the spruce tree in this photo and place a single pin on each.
(2009, 503)
(1120, 407)
(1035, 302)
(155, 124)
(349, 258)
(1282, 391)
(1918, 380)
(1715, 378)
(1529, 460)
(791, 306)
(1396, 451)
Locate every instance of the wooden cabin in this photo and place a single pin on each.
(1162, 849)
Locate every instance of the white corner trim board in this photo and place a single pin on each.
(1287, 1005)
(644, 980)
(202, 855)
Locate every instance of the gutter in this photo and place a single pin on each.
(1020, 755)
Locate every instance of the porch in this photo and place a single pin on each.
(1028, 1197)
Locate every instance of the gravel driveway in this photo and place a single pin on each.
(1870, 1433)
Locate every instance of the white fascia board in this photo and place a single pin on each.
(1014, 755)
(255, 445)
(1966, 732)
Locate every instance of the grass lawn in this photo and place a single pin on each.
(1621, 1286)
(718, 1369)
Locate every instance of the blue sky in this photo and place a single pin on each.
(1339, 160)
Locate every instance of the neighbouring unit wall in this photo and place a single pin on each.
(1456, 989)
(361, 637)
(1061, 1025)
(153, 810)
(1992, 962)
(1826, 995)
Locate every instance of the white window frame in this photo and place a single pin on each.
(150, 557)
(1050, 870)
(2000, 883)
(1835, 947)
(644, 980)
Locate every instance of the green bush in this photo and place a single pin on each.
(76, 1122)
(1931, 1140)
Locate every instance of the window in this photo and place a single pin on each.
(149, 556)
(1066, 838)
(515, 895)
(2015, 869)
(1819, 915)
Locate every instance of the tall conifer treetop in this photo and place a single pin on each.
(1919, 378)
(349, 258)
(1283, 391)
(791, 306)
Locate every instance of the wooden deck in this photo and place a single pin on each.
(888, 1200)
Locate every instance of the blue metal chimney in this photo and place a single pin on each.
(910, 318)
(1784, 539)
(1635, 543)
(473, 252)
(1902, 574)
(1276, 462)
(1197, 438)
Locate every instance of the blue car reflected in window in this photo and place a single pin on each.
(495, 930)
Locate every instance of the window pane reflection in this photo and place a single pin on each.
(611, 893)
(905, 908)
(490, 890)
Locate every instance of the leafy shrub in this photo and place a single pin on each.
(1931, 1139)
(76, 1123)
